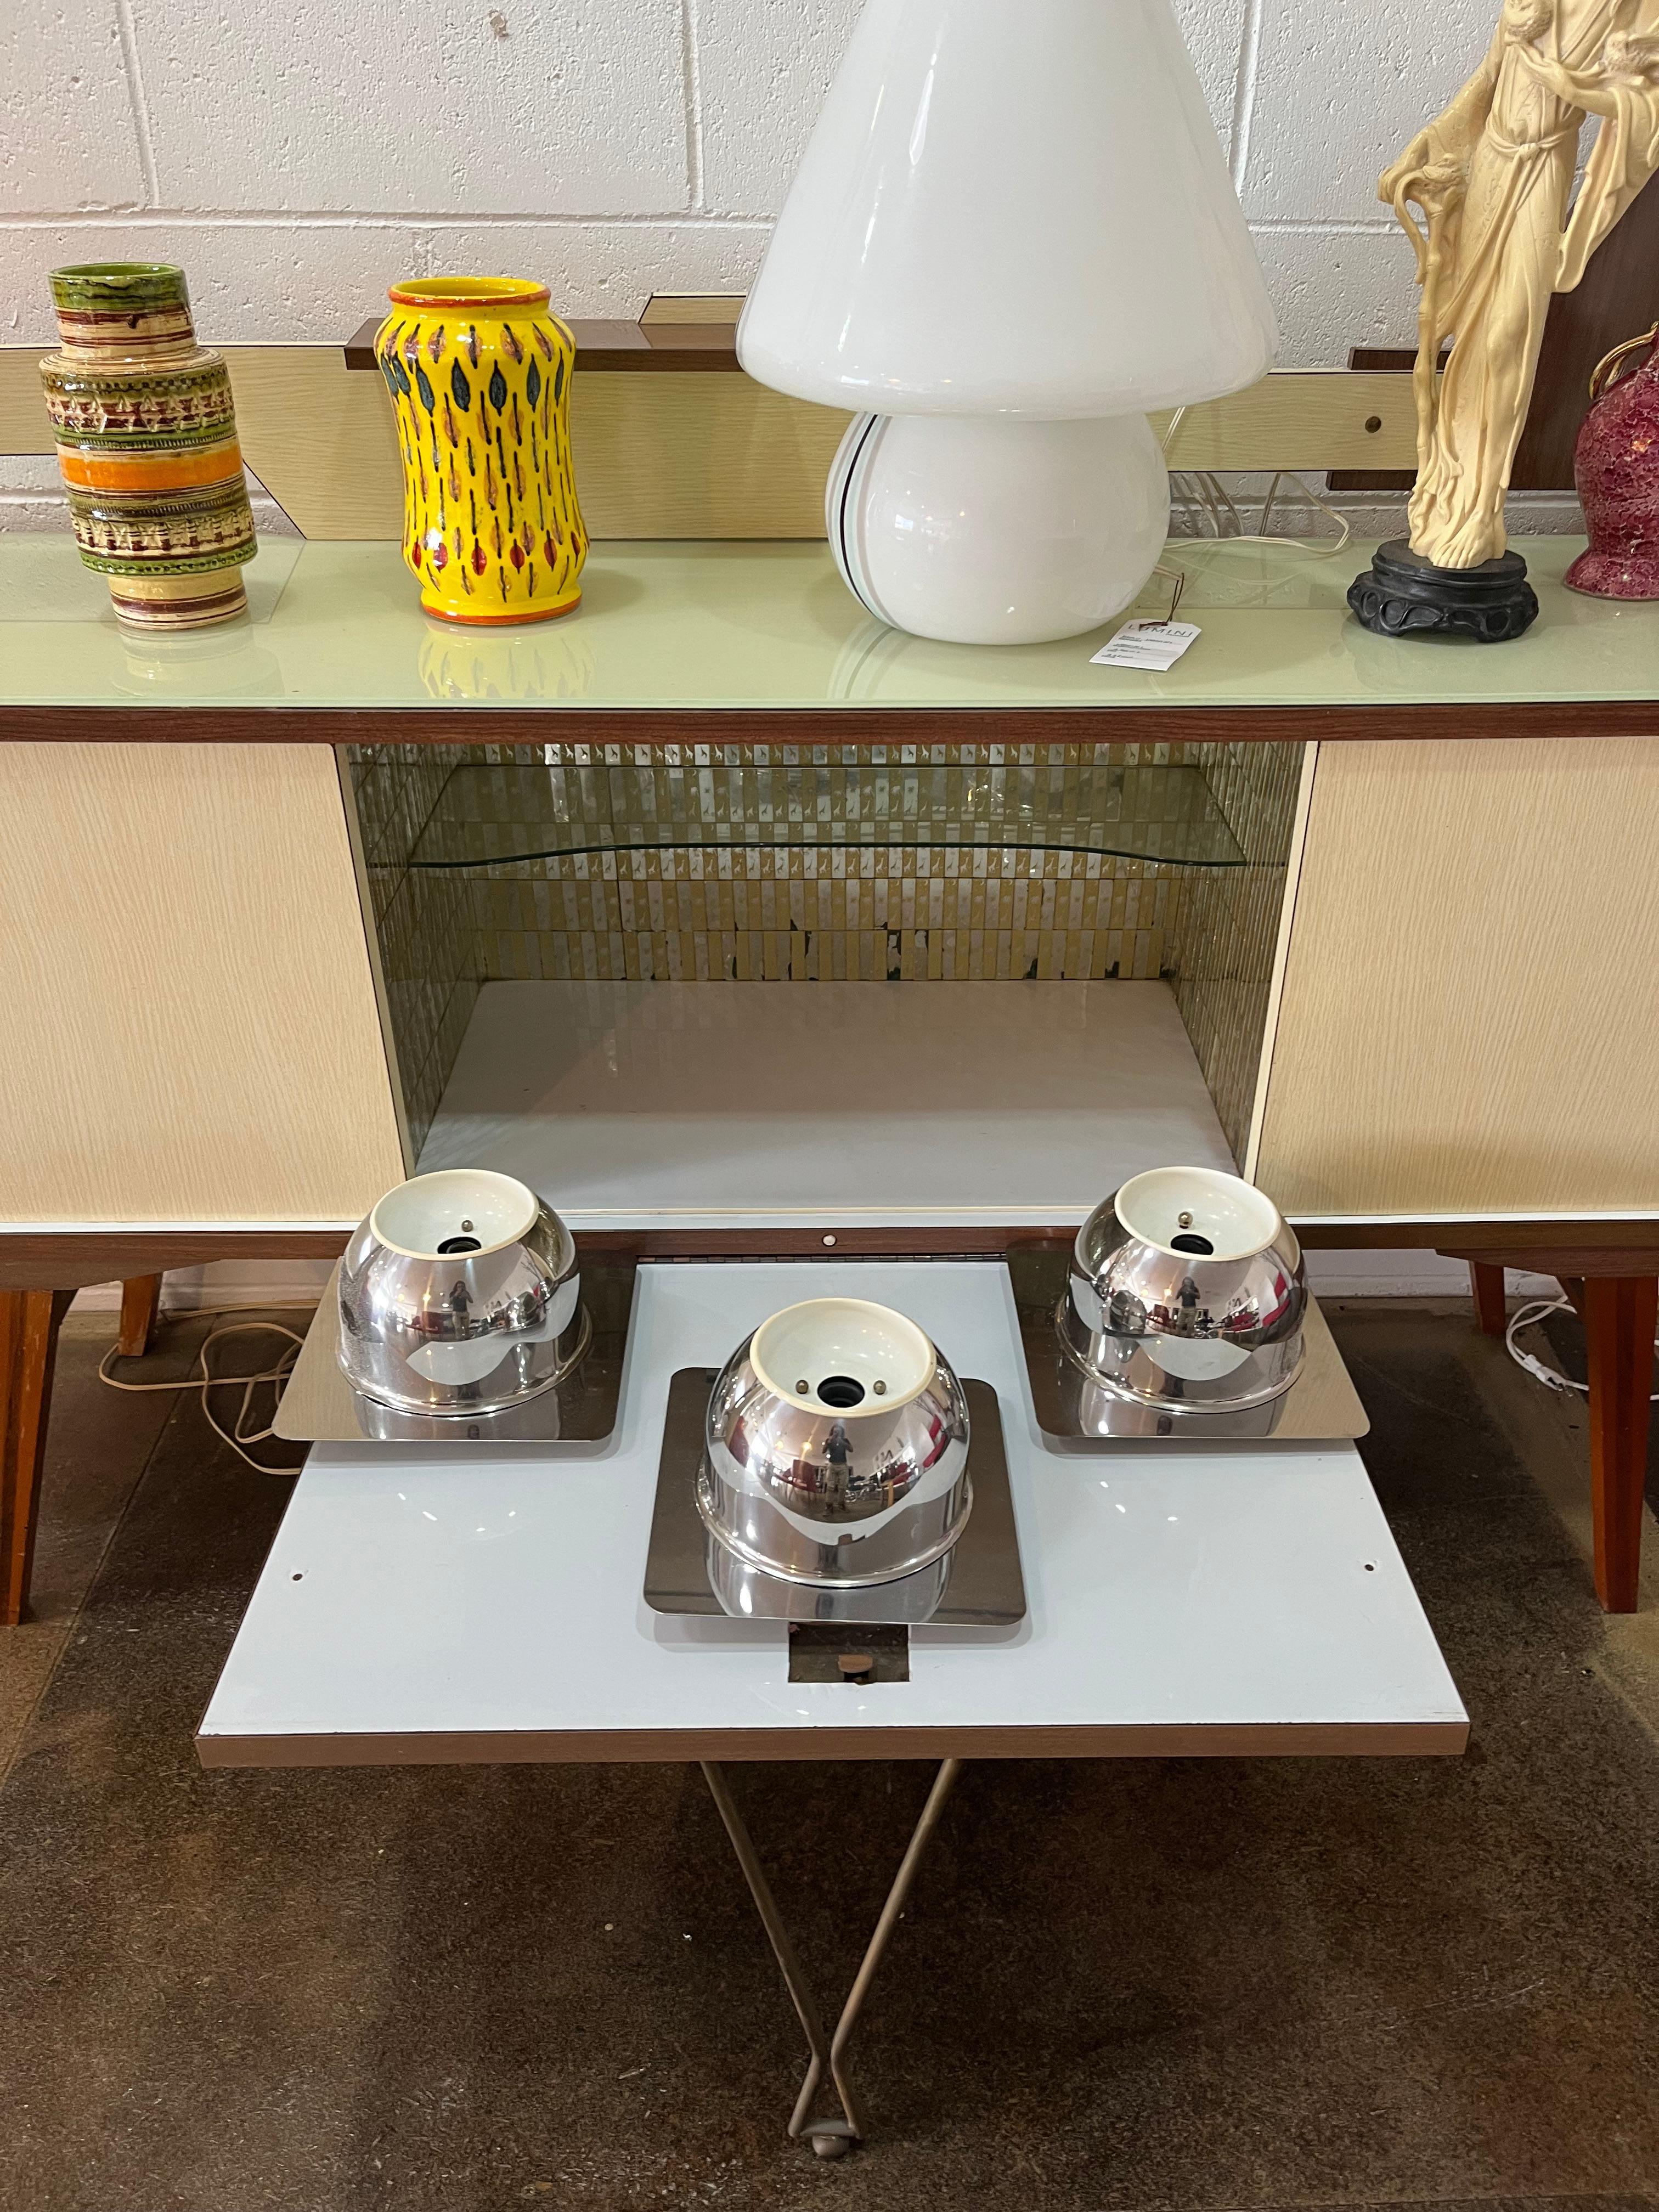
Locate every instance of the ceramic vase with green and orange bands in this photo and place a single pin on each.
(479, 374)
(147, 445)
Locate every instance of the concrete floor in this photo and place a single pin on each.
(1197, 1985)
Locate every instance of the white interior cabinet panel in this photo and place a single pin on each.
(755, 1105)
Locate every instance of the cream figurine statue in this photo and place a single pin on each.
(1492, 179)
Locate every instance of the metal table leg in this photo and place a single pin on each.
(829, 2138)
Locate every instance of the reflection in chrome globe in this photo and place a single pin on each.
(750, 1593)
(459, 1294)
(837, 1447)
(1186, 1292)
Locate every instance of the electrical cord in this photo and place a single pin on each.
(1216, 504)
(1528, 1317)
(238, 1435)
(1176, 580)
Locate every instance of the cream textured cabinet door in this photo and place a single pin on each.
(190, 1027)
(1469, 1021)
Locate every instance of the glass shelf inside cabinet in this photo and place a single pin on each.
(491, 815)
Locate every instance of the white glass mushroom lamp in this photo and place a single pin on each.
(1012, 232)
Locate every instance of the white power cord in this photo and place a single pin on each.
(238, 1434)
(1528, 1317)
(1216, 504)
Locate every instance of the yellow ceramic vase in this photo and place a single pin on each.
(479, 374)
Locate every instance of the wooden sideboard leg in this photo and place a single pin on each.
(1487, 1284)
(141, 1302)
(1620, 1313)
(29, 1322)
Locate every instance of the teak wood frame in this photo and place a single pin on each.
(1617, 1299)
(29, 1322)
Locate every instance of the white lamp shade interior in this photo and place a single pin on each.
(1011, 210)
(1229, 1216)
(841, 1341)
(420, 1216)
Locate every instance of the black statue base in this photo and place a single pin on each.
(1401, 594)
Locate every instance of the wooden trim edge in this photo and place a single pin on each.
(664, 343)
(30, 1260)
(409, 724)
(34, 1259)
(654, 1746)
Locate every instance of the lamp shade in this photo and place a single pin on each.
(1011, 207)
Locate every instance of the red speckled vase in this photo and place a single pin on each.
(1615, 465)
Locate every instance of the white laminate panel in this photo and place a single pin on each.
(763, 1104)
(1252, 1588)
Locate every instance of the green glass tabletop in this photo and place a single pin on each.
(700, 626)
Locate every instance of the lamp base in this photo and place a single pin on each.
(1402, 594)
(991, 530)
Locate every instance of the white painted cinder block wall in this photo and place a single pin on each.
(296, 159)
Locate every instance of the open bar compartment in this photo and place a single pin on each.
(639, 975)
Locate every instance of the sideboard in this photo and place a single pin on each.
(747, 928)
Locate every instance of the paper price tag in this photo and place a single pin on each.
(1147, 644)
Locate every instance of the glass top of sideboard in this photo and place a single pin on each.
(679, 627)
